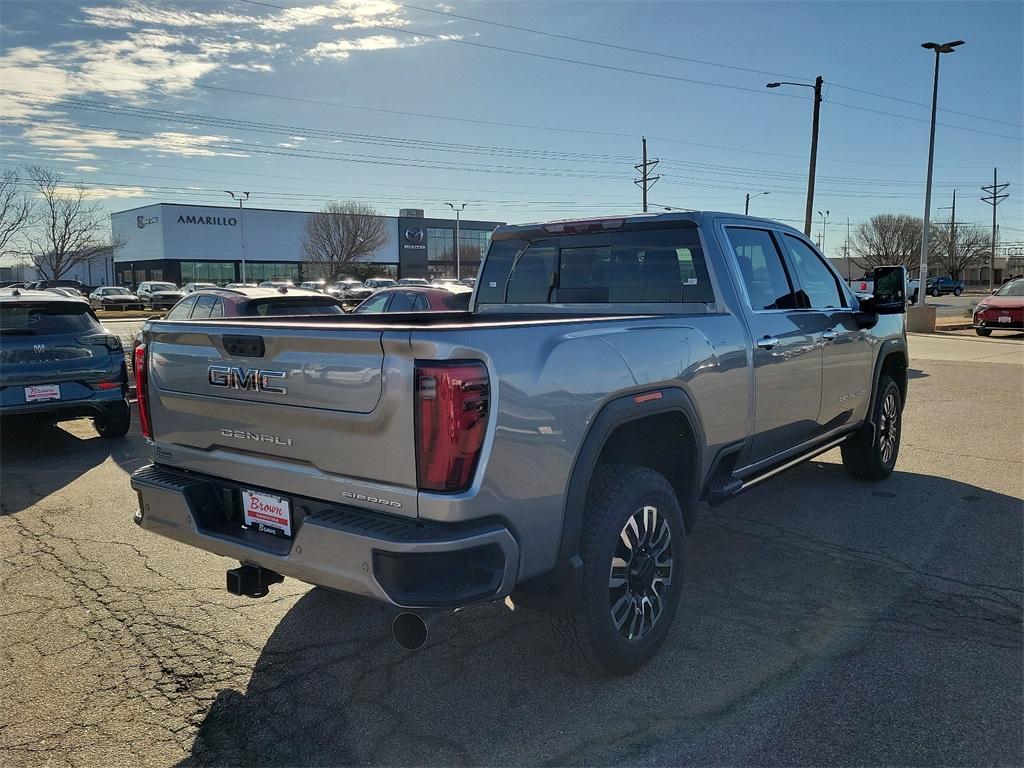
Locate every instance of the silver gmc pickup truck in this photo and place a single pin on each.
(552, 444)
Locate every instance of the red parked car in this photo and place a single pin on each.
(1002, 311)
(240, 302)
(416, 298)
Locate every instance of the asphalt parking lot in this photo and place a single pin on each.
(826, 622)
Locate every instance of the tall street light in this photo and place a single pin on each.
(458, 261)
(240, 197)
(939, 48)
(746, 205)
(824, 221)
(818, 82)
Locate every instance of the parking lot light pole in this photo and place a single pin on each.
(818, 82)
(746, 205)
(939, 48)
(240, 197)
(458, 261)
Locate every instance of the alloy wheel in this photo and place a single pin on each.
(888, 429)
(641, 573)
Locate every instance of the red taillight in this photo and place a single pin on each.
(109, 385)
(451, 417)
(142, 391)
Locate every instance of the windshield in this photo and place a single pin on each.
(46, 318)
(162, 287)
(297, 305)
(1016, 288)
(115, 292)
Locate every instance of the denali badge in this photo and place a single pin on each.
(260, 437)
(253, 379)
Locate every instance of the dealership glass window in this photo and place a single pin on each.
(473, 244)
(257, 271)
(207, 271)
(440, 244)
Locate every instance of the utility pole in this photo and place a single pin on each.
(994, 197)
(240, 197)
(824, 222)
(458, 260)
(952, 229)
(646, 181)
(939, 48)
(846, 250)
(746, 205)
(818, 82)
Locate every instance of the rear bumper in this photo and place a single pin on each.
(96, 404)
(397, 561)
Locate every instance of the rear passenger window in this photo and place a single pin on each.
(420, 305)
(817, 282)
(532, 276)
(402, 301)
(204, 305)
(181, 310)
(761, 268)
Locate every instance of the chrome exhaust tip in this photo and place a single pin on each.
(409, 631)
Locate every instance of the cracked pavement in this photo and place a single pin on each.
(825, 622)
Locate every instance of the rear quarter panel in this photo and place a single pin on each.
(549, 382)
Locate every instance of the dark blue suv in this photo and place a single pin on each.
(58, 362)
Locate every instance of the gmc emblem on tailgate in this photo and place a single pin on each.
(252, 379)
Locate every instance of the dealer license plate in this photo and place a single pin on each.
(267, 513)
(1004, 318)
(42, 392)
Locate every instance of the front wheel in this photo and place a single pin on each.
(632, 547)
(983, 331)
(871, 453)
(115, 421)
(936, 292)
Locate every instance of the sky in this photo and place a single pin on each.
(492, 104)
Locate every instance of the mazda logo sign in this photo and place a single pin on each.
(142, 221)
(414, 235)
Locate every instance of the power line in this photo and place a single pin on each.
(487, 150)
(661, 54)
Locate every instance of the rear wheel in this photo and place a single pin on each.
(115, 421)
(871, 454)
(983, 331)
(957, 291)
(632, 550)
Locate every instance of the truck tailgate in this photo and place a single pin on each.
(290, 408)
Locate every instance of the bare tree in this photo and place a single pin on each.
(956, 248)
(69, 230)
(342, 233)
(888, 239)
(15, 211)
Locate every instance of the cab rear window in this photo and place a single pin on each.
(644, 266)
(46, 318)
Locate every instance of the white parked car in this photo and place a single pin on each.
(193, 287)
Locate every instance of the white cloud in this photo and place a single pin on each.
(73, 142)
(86, 168)
(342, 49)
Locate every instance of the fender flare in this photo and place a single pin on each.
(614, 414)
(887, 348)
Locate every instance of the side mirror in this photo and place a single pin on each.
(890, 291)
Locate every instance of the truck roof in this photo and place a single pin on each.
(612, 222)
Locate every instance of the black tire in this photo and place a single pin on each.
(913, 299)
(983, 331)
(115, 422)
(936, 292)
(871, 454)
(957, 291)
(593, 639)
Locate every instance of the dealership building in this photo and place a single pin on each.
(193, 243)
